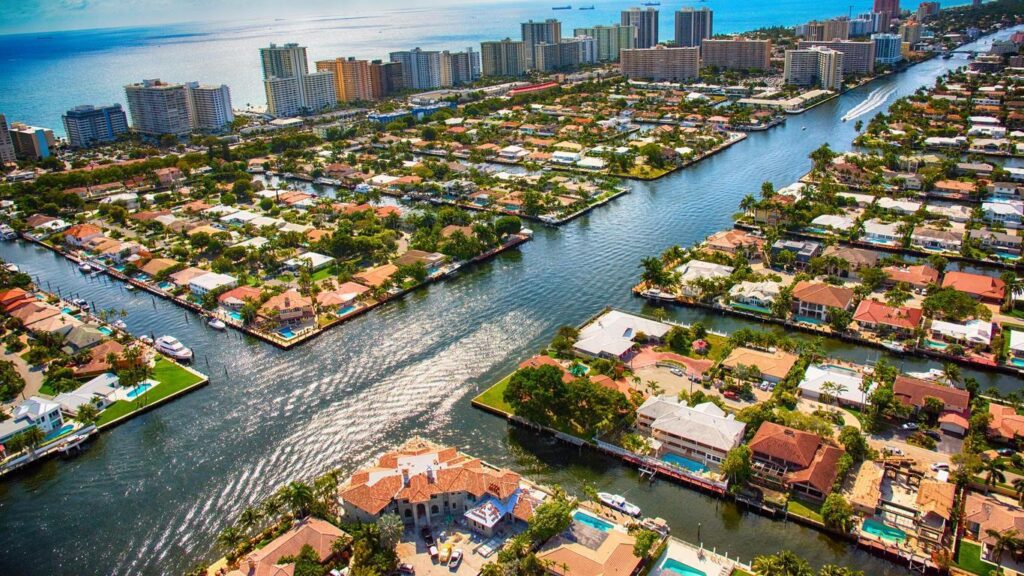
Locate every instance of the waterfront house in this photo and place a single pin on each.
(998, 242)
(982, 169)
(736, 241)
(813, 300)
(235, 298)
(14, 298)
(696, 270)
(936, 240)
(759, 295)
(788, 458)
(613, 335)
(1004, 189)
(80, 234)
(155, 266)
(34, 412)
(934, 503)
(318, 534)
(33, 312)
(312, 260)
(182, 278)
(802, 250)
(953, 212)
(903, 207)
(984, 515)
(101, 392)
(899, 321)
(982, 287)
(856, 259)
(772, 366)
(210, 282)
(954, 189)
(78, 337)
(287, 309)
(427, 484)
(1006, 425)
(432, 261)
(594, 551)
(914, 393)
(878, 232)
(53, 324)
(833, 222)
(1005, 214)
(344, 295)
(374, 277)
(703, 434)
(918, 277)
(831, 383)
(972, 334)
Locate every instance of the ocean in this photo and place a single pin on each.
(47, 73)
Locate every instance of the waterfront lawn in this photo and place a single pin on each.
(970, 560)
(493, 396)
(172, 379)
(804, 508)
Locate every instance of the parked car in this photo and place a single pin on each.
(428, 537)
(1007, 452)
(909, 426)
(933, 434)
(893, 450)
(731, 395)
(940, 466)
(453, 564)
(433, 553)
(404, 568)
(676, 372)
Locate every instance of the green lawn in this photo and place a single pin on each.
(172, 379)
(493, 396)
(805, 509)
(970, 560)
(326, 272)
(718, 345)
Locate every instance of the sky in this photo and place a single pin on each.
(21, 16)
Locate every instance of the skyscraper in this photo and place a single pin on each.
(888, 48)
(385, 78)
(503, 57)
(287, 61)
(837, 29)
(463, 67)
(565, 55)
(421, 70)
(646, 23)
(546, 32)
(90, 125)
(693, 26)
(289, 86)
(610, 40)
(661, 63)
(158, 108)
(818, 65)
(927, 10)
(6, 144)
(911, 32)
(209, 107)
(351, 78)
(31, 142)
(858, 57)
(736, 53)
(890, 7)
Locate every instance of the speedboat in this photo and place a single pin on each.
(894, 346)
(217, 324)
(170, 346)
(619, 503)
(85, 267)
(120, 325)
(146, 340)
(130, 287)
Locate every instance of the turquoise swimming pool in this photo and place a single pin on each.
(685, 463)
(592, 521)
(105, 330)
(286, 333)
(935, 345)
(236, 316)
(1018, 362)
(346, 310)
(65, 429)
(673, 565)
(887, 533)
(139, 390)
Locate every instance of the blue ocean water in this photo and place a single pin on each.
(47, 73)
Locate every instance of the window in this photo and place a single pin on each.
(408, 513)
(434, 509)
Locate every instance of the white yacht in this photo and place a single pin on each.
(170, 346)
(619, 503)
(85, 267)
(217, 324)
(120, 325)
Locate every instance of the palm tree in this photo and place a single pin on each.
(952, 373)
(272, 507)
(1018, 486)
(231, 538)
(249, 519)
(299, 497)
(1001, 542)
(391, 529)
(747, 203)
(993, 470)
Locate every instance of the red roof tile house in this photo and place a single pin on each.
(786, 457)
(426, 484)
(79, 234)
(914, 392)
(919, 277)
(235, 298)
(874, 316)
(1006, 424)
(984, 513)
(313, 532)
(287, 309)
(984, 288)
(814, 299)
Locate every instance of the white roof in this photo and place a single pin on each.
(836, 221)
(261, 221)
(34, 408)
(907, 206)
(591, 162)
(973, 331)
(695, 269)
(762, 291)
(848, 380)
(239, 216)
(313, 259)
(220, 209)
(254, 242)
(212, 281)
(1017, 340)
(704, 423)
(881, 228)
(613, 333)
(1009, 208)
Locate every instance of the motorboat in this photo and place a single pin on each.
(120, 325)
(217, 324)
(80, 303)
(619, 503)
(84, 267)
(7, 233)
(171, 347)
(130, 287)
(894, 346)
(146, 340)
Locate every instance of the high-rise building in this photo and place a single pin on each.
(462, 67)
(289, 86)
(812, 30)
(862, 26)
(882, 21)
(31, 142)
(858, 57)
(890, 7)
(736, 53)
(503, 58)
(534, 33)
(351, 78)
(90, 125)
(209, 107)
(567, 54)
(158, 108)
(385, 78)
(693, 26)
(421, 69)
(911, 32)
(661, 63)
(888, 48)
(927, 10)
(610, 40)
(816, 66)
(6, 144)
(837, 29)
(646, 23)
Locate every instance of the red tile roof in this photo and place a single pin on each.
(786, 444)
(979, 285)
(822, 294)
(919, 276)
(1006, 423)
(913, 391)
(821, 472)
(873, 312)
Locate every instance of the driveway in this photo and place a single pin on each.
(33, 377)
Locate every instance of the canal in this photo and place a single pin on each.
(150, 496)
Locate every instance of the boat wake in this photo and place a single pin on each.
(876, 98)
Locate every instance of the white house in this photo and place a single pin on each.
(35, 411)
(612, 334)
(566, 157)
(701, 433)
(898, 206)
(972, 332)
(513, 153)
(101, 391)
(1007, 214)
(841, 383)
(879, 232)
(695, 270)
(209, 282)
(591, 163)
(761, 294)
(314, 260)
(839, 222)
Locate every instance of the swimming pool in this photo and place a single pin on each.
(936, 345)
(65, 429)
(105, 330)
(684, 463)
(236, 316)
(592, 521)
(673, 565)
(839, 369)
(139, 390)
(1018, 362)
(286, 333)
(346, 310)
(887, 533)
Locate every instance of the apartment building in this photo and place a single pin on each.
(503, 58)
(89, 125)
(737, 53)
(858, 57)
(645, 21)
(661, 63)
(610, 40)
(693, 26)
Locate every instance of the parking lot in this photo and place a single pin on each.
(476, 551)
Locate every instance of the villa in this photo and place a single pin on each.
(312, 260)
(918, 277)
(813, 300)
(878, 232)
(375, 277)
(997, 241)
(288, 309)
(880, 318)
(235, 298)
(954, 189)
(802, 250)
(983, 514)
(695, 270)
(831, 383)
(1006, 214)
(914, 393)
(702, 433)
(857, 259)
(736, 241)
(33, 412)
(982, 287)
(613, 335)
(973, 333)
(928, 238)
(80, 234)
(773, 366)
(756, 294)
(210, 282)
(314, 532)
(786, 457)
(594, 547)
(101, 392)
(834, 222)
(1006, 425)
(904, 207)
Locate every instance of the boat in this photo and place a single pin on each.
(85, 267)
(120, 325)
(7, 233)
(217, 324)
(94, 274)
(11, 267)
(566, 7)
(652, 4)
(80, 303)
(894, 346)
(803, 128)
(171, 347)
(324, 181)
(619, 503)
(146, 340)
(130, 287)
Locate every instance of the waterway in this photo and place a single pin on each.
(150, 496)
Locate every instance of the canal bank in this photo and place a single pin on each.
(156, 490)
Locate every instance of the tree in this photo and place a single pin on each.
(307, 562)
(550, 519)
(654, 273)
(783, 563)
(391, 529)
(839, 319)
(231, 538)
(11, 381)
(837, 512)
(822, 157)
(833, 570)
(644, 541)
(1002, 541)
(854, 443)
(736, 466)
(299, 497)
(993, 472)
(949, 303)
(1018, 487)
(88, 414)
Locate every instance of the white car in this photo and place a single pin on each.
(676, 372)
(909, 426)
(894, 450)
(937, 466)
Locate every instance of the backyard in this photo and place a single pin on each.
(172, 378)
(970, 560)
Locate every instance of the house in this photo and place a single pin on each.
(432, 261)
(954, 189)
(933, 239)
(786, 457)
(878, 232)
(833, 222)
(427, 484)
(288, 308)
(973, 333)
(1005, 214)
(318, 534)
(155, 266)
(880, 318)
(998, 242)
(235, 298)
(584, 549)
(613, 334)
(169, 177)
(974, 169)
(101, 392)
(813, 300)
(210, 282)
(856, 259)
(80, 234)
(1004, 189)
(756, 295)
(313, 260)
(984, 515)
(33, 312)
(914, 392)
(736, 241)
(773, 366)
(831, 383)
(802, 250)
(701, 433)
(78, 337)
(513, 153)
(182, 278)
(903, 207)
(33, 412)
(696, 270)
(918, 277)
(953, 212)
(982, 287)
(1016, 345)
(934, 502)
(341, 296)
(374, 277)
(14, 298)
